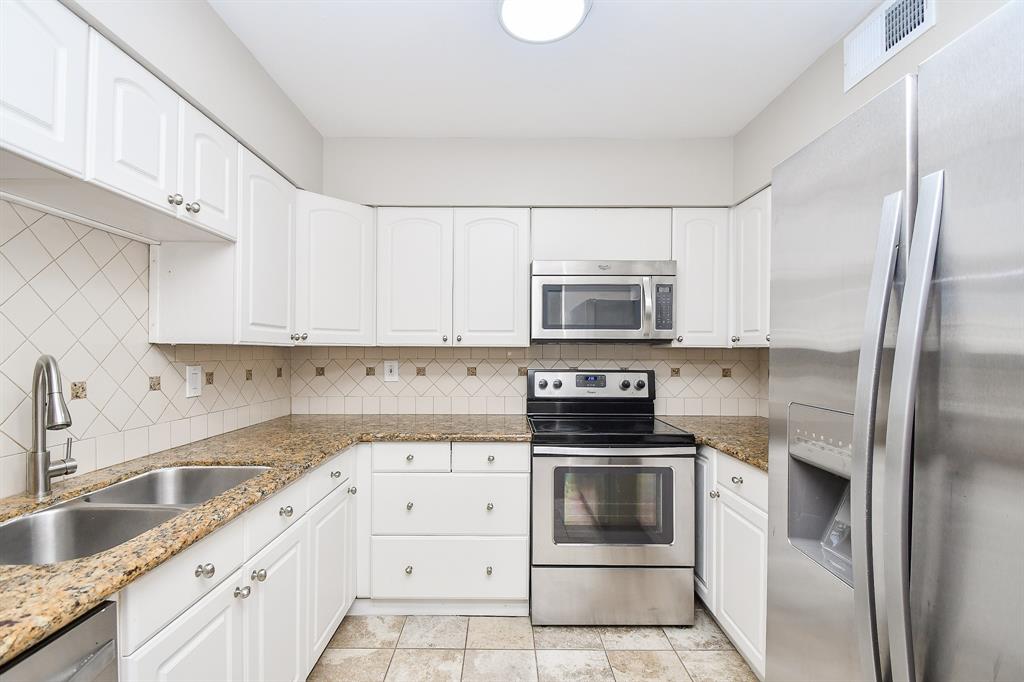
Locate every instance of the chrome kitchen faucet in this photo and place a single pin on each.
(49, 412)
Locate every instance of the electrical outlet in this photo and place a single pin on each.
(391, 370)
(193, 381)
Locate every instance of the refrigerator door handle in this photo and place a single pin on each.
(900, 432)
(863, 444)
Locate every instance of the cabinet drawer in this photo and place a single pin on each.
(746, 481)
(154, 600)
(412, 456)
(492, 457)
(450, 568)
(456, 504)
(271, 517)
(329, 475)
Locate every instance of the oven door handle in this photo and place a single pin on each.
(686, 451)
(647, 290)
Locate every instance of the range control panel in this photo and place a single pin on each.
(616, 384)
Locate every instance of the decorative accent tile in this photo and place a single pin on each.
(371, 371)
(421, 371)
(248, 375)
(523, 371)
(209, 378)
(471, 371)
(154, 383)
(675, 371)
(78, 390)
(280, 371)
(727, 371)
(319, 371)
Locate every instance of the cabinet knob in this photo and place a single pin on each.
(490, 458)
(335, 474)
(679, 338)
(445, 338)
(352, 490)
(713, 494)
(409, 457)
(408, 570)
(205, 570)
(737, 480)
(735, 339)
(304, 336)
(193, 207)
(767, 337)
(294, 337)
(459, 337)
(490, 570)
(490, 506)
(243, 592)
(259, 575)
(175, 199)
(408, 506)
(286, 511)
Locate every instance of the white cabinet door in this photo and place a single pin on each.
(43, 69)
(414, 266)
(330, 567)
(208, 174)
(742, 571)
(751, 249)
(133, 127)
(334, 271)
(204, 643)
(265, 240)
(700, 247)
(492, 277)
(601, 233)
(277, 614)
(704, 525)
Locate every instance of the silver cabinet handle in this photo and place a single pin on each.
(205, 570)
(490, 570)
(735, 339)
(445, 338)
(408, 570)
(865, 403)
(490, 458)
(459, 337)
(408, 506)
(713, 494)
(175, 199)
(409, 458)
(490, 506)
(679, 338)
(352, 490)
(305, 335)
(738, 480)
(259, 575)
(286, 511)
(243, 592)
(335, 474)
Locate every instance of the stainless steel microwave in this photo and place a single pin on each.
(591, 300)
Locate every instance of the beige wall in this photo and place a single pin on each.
(564, 172)
(187, 44)
(815, 101)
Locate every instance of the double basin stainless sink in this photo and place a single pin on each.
(110, 516)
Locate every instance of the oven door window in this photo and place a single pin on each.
(613, 505)
(592, 306)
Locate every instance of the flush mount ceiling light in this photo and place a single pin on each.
(542, 21)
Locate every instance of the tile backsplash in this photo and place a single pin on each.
(689, 381)
(81, 295)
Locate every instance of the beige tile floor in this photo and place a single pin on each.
(492, 649)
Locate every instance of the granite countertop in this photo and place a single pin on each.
(39, 600)
(745, 438)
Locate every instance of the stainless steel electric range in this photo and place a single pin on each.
(613, 507)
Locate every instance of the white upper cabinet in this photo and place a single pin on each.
(265, 254)
(414, 276)
(335, 257)
(492, 277)
(751, 236)
(700, 247)
(602, 233)
(208, 173)
(133, 127)
(43, 68)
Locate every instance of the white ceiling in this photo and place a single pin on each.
(445, 68)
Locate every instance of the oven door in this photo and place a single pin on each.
(613, 507)
(601, 307)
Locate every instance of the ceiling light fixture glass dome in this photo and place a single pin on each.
(542, 21)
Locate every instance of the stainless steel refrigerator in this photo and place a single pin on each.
(896, 505)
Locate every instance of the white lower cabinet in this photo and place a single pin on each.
(332, 566)
(704, 522)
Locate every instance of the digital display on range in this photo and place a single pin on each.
(590, 381)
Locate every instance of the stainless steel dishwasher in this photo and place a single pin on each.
(85, 651)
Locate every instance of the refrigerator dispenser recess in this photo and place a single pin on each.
(819, 486)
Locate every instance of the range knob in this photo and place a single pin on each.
(543, 383)
(557, 383)
(641, 384)
(624, 384)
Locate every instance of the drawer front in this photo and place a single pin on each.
(329, 475)
(454, 504)
(271, 517)
(154, 600)
(412, 456)
(491, 457)
(450, 568)
(746, 481)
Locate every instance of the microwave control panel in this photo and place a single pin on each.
(663, 306)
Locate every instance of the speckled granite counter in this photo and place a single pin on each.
(745, 438)
(36, 601)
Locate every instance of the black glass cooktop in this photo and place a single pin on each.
(606, 429)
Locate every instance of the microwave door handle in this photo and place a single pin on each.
(647, 290)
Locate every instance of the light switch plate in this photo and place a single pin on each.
(193, 381)
(391, 370)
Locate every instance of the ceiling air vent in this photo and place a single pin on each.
(890, 28)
